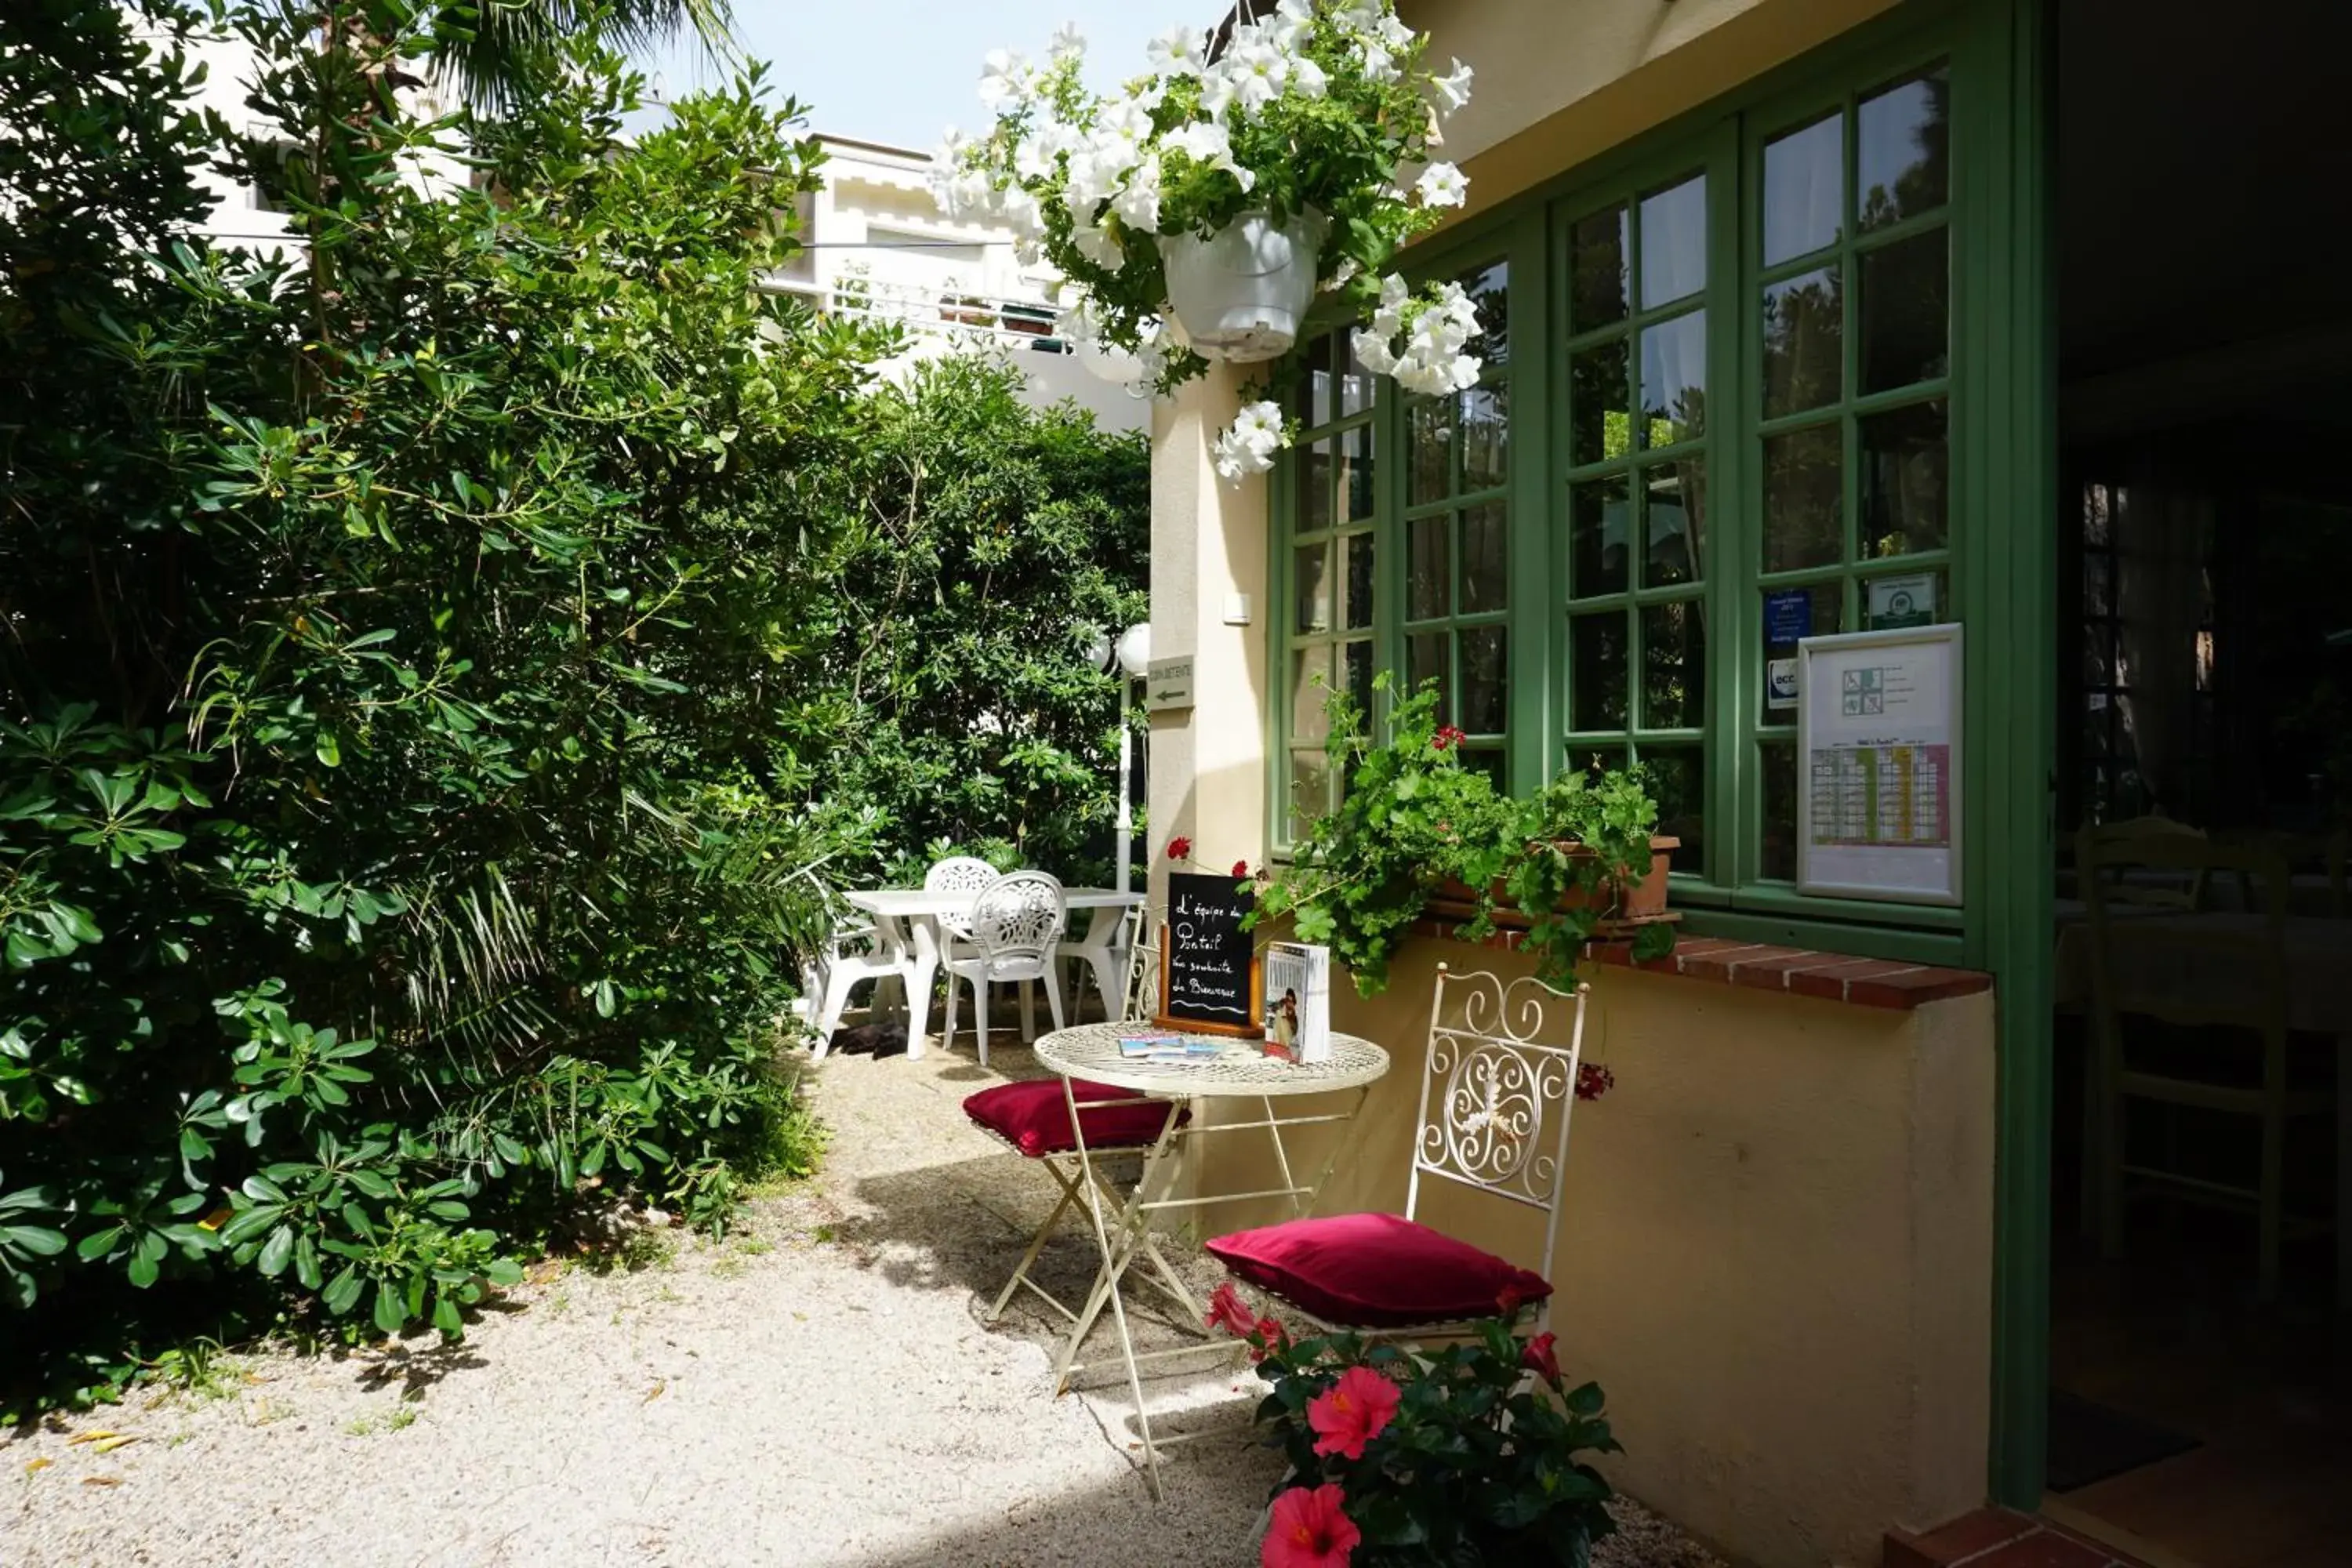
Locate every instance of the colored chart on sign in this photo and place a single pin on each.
(1884, 796)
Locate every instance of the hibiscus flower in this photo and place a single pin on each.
(1309, 1530)
(1542, 1358)
(1226, 1312)
(1352, 1411)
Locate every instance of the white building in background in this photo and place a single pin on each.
(877, 244)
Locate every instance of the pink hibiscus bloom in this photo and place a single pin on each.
(1542, 1357)
(1226, 1312)
(1310, 1530)
(1352, 1411)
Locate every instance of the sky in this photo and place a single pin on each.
(901, 71)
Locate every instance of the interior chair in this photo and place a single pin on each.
(1496, 1092)
(2221, 973)
(1016, 925)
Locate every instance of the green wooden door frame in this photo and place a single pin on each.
(2004, 503)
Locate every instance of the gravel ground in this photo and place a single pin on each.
(817, 1390)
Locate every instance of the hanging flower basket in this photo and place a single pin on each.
(1241, 293)
(1225, 190)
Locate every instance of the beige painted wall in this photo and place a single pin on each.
(1775, 1254)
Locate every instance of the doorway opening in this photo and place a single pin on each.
(2201, 1300)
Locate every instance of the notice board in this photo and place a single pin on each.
(1879, 760)
(1208, 963)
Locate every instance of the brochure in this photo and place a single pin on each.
(1298, 1001)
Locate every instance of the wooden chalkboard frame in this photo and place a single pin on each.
(1253, 1030)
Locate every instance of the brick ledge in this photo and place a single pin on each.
(1807, 972)
(1998, 1538)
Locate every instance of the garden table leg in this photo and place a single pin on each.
(922, 970)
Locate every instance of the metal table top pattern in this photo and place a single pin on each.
(1090, 1051)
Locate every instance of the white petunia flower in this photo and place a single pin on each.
(1097, 246)
(1126, 117)
(1259, 76)
(1068, 43)
(1248, 446)
(1021, 212)
(1359, 15)
(1394, 33)
(1374, 354)
(1340, 276)
(1307, 78)
(1217, 91)
(1179, 51)
(1138, 202)
(1379, 64)
(1291, 22)
(1096, 170)
(1452, 91)
(1004, 82)
(1209, 143)
(1442, 185)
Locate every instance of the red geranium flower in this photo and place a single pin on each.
(1180, 849)
(1542, 1358)
(1352, 1411)
(1241, 867)
(1309, 1530)
(1593, 1080)
(1508, 1299)
(1447, 739)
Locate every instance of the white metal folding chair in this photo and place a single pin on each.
(1017, 923)
(1495, 1104)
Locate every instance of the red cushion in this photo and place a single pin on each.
(1375, 1270)
(1032, 1118)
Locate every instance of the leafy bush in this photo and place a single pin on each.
(394, 835)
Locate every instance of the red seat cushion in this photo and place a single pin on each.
(1375, 1270)
(1032, 1118)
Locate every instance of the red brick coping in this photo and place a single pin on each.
(1832, 976)
(1997, 1538)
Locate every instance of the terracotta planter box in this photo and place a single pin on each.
(1624, 904)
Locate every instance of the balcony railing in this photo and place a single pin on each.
(933, 313)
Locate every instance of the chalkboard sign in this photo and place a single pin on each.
(1208, 963)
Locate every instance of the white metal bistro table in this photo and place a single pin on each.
(1240, 1071)
(907, 920)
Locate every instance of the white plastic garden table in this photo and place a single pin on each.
(906, 922)
(1240, 1071)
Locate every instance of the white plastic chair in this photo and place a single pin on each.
(1015, 925)
(958, 874)
(1105, 955)
(853, 951)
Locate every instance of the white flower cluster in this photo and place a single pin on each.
(1248, 446)
(1436, 332)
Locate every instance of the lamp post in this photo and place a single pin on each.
(1130, 657)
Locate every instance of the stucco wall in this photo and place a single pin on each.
(1775, 1253)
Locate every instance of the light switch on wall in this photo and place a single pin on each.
(1237, 609)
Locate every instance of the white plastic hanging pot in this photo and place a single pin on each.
(1109, 362)
(1241, 293)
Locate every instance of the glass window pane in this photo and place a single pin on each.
(1674, 522)
(1486, 707)
(1310, 791)
(1674, 243)
(1429, 436)
(1310, 694)
(1904, 311)
(1315, 396)
(1356, 382)
(1600, 523)
(1905, 481)
(1313, 583)
(1314, 488)
(1805, 189)
(1674, 666)
(1485, 559)
(1358, 656)
(1597, 252)
(1674, 380)
(1601, 423)
(1489, 288)
(1804, 343)
(1487, 759)
(1427, 562)
(1595, 760)
(1356, 499)
(1905, 150)
(1596, 673)
(1357, 612)
(1779, 841)
(1425, 660)
(1804, 499)
(2097, 595)
(1791, 615)
(1486, 437)
(1678, 782)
